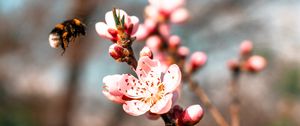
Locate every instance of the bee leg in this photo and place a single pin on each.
(73, 39)
(64, 49)
(62, 53)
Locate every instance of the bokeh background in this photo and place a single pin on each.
(39, 87)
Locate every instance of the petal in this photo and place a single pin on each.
(147, 67)
(102, 30)
(135, 107)
(111, 84)
(163, 105)
(109, 17)
(117, 99)
(135, 21)
(131, 87)
(172, 78)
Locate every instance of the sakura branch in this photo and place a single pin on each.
(163, 65)
(168, 49)
(246, 63)
(155, 90)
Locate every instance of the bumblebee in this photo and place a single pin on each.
(66, 32)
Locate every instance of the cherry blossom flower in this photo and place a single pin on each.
(150, 92)
(109, 29)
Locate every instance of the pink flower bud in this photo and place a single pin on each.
(164, 30)
(255, 63)
(198, 59)
(146, 52)
(174, 41)
(110, 30)
(183, 51)
(246, 47)
(233, 65)
(154, 42)
(118, 52)
(191, 115)
(179, 16)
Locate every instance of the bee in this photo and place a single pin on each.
(64, 33)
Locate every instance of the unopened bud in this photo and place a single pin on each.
(233, 65)
(164, 30)
(154, 42)
(146, 52)
(191, 115)
(246, 47)
(255, 63)
(118, 52)
(198, 59)
(183, 51)
(174, 41)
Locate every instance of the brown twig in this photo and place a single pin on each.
(168, 120)
(235, 103)
(194, 86)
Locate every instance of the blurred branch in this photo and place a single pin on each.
(235, 103)
(194, 86)
(82, 10)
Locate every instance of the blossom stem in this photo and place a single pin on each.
(235, 103)
(168, 120)
(194, 86)
(131, 59)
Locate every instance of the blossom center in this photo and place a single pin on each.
(154, 94)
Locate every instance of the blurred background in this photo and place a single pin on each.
(39, 87)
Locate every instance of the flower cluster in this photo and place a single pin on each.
(161, 65)
(155, 30)
(158, 14)
(119, 27)
(247, 61)
(158, 82)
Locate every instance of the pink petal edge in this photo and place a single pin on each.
(102, 30)
(172, 78)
